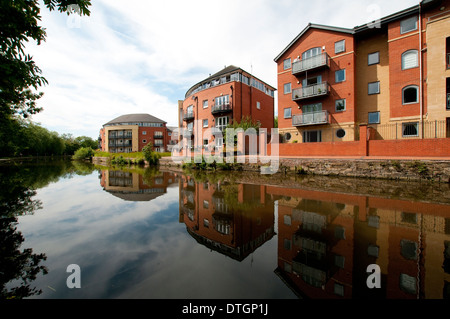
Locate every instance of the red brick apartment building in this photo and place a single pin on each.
(228, 96)
(132, 132)
(390, 78)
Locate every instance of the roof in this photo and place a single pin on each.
(313, 26)
(227, 70)
(368, 26)
(136, 118)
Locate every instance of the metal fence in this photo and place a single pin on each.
(411, 130)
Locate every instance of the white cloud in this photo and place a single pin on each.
(142, 56)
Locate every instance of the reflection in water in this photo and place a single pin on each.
(19, 268)
(136, 186)
(326, 240)
(309, 237)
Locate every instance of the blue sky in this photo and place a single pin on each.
(141, 56)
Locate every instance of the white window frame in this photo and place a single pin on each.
(336, 76)
(336, 105)
(258, 105)
(339, 46)
(205, 104)
(287, 64)
(405, 22)
(287, 88)
(403, 94)
(416, 62)
(290, 113)
(205, 121)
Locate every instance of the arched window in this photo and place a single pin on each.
(410, 59)
(311, 53)
(410, 94)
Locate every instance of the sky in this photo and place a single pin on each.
(142, 56)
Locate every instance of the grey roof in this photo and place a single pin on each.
(136, 118)
(365, 27)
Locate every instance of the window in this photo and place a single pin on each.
(339, 289)
(144, 141)
(410, 59)
(312, 136)
(205, 123)
(312, 81)
(287, 64)
(410, 129)
(374, 88)
(339, 46)
(410, 95)
(374, 118)
(258, 105)
(205, 104)
(287, 88)
(205, 204)
(144, 133)
(373, 58)
(287, 137)
(340, 105)
(408, 25)
(408, 284)
(312, 108)
(287, 113)
(222, 100)
(408, 249)
(340, 76)
(373, 250)
(311, 53)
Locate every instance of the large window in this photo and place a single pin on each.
(410, 94)
(374, 118)
(408, 25)
(222, 100)
(312, 108)
(410, 59)
(311, 52)
(312, 136)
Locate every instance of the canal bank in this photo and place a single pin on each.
(415, 169)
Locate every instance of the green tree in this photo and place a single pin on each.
(150, 155)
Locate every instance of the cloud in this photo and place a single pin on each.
(142, 56)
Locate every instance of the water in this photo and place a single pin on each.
(141, 233)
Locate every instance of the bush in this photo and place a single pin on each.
(83, 153)
(151, 156)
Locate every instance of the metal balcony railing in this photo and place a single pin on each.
(318, 61)
(315, 118)
(224, 108)
(188, 116)
(311, 91)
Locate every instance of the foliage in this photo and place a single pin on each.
(84, 152)
(150, 155)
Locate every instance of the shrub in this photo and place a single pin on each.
(151, 156)
(83, 153)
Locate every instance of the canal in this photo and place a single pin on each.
(141, 233)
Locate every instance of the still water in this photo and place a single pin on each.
(142, 233)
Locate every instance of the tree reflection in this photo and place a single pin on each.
(18, 184)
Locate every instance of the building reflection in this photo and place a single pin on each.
(326, 241)
(232, 219)
(135, 186)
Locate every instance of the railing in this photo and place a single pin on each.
(221, 127)
(310, 91)
(321, 60)
(158, 136)
(188, 116)
(315, 118)
(221, 108)
(408, 130)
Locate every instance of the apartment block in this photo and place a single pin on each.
(392, 75)
(132, 132)
(229, 96)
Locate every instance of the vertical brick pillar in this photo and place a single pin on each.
(262, 142)
(363, 140)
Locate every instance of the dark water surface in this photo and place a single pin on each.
(142, 233)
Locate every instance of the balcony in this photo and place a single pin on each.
(315, 62)
(158, 136)
(315, 118)
(224, 108)
(188, 116)
(311, 91)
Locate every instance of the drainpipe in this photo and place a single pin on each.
(421, 69)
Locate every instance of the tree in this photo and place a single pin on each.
(150, 155)
(19, 74)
